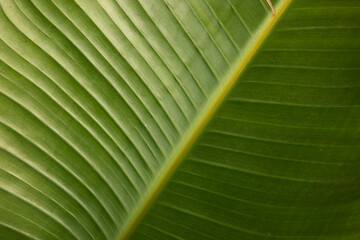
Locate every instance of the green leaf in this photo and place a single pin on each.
(179, 119)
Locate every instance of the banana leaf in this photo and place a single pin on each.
(180, 119)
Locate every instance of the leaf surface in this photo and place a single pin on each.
(116, 119)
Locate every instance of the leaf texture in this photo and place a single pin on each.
(100, 100)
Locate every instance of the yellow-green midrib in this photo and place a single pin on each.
(246, 54)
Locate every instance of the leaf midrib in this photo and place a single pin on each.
(203, 118)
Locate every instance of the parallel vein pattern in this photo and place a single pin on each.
(96, 96)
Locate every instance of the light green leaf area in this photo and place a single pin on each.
(179, 119)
